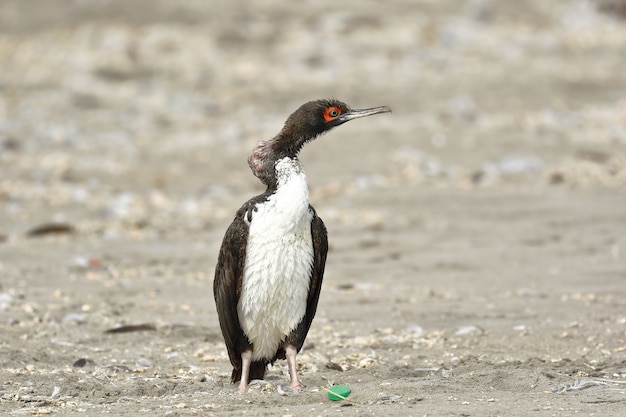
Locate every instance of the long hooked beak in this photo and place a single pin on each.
(357, 113)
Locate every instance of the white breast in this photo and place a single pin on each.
(278, 264)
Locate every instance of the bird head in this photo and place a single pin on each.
(304, 125)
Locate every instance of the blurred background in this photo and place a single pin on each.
(118, 115)
(479, 229)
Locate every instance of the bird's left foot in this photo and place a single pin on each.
(297, 386)
(290, 353)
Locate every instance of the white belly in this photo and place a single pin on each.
(278, 265)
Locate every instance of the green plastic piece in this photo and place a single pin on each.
(336, 392)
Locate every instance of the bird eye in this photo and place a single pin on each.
(331, 113)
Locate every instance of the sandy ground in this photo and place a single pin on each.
(478, 234)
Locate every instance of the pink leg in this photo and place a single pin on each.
(246, 360)
(293, 373)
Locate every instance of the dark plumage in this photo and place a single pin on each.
(271, 263)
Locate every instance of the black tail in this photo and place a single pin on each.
(257, 371)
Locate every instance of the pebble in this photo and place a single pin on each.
(82, 362)
(416, 330)
(6, 300)
(469, 331)
(74, 318)
(508, 167)
(172, 355)
(515, 165)
(206, 378)
(143, 363)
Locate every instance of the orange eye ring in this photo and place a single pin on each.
(332, 113)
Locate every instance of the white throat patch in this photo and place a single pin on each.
(278, 263)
